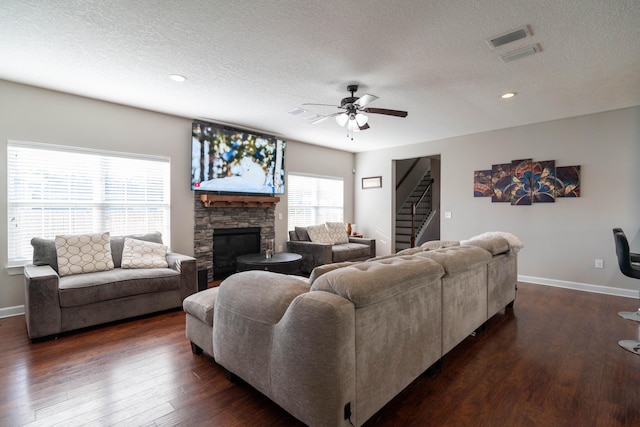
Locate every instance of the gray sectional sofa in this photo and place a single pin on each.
(334, 348)
(55, 304)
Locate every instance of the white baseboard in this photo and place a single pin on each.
(607, 290)
(11, 311)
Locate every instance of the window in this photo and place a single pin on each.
(314, 200)
(67, 190)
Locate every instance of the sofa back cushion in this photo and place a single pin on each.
(368, 283)
(337, 232)
(44, 252)
(319, 234)
(83, 253)
(302, 234)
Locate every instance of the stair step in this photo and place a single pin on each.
(403, 239)
(401, 246)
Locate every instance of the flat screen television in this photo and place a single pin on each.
(228, 160)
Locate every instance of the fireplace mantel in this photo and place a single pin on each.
(218, 201)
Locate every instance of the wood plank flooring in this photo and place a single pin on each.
(552, 361)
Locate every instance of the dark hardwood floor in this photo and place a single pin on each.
(552, 361)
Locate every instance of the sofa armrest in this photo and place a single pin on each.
(313, 254)
(365, 241)
(41, 301)
(186, 265)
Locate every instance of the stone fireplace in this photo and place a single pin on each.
(228, 212)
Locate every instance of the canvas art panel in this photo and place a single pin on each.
(568, 181)
(501, 182)
(544, 181)
(482, 184)
(521, 171)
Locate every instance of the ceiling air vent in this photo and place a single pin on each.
(509, 37)
(520, 53)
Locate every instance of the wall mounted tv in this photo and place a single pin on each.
(228, 160)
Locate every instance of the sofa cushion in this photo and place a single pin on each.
(201, 305)
(83, 253)
(322, 269)
(44, 252)
(82, 289)
(302, 234)
(439, 244)
(368, 283)
(337, 232)
(142, 254)
(117, 244)
(457, 259)
(350, 251)
(319, 234)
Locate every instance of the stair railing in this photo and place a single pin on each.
(419, 208)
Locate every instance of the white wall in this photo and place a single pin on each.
(562, 239)
(38, 115)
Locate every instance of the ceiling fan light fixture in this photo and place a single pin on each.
(353, 125)
(342, 119)
(361, 119)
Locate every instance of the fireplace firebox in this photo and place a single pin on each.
(228, 244)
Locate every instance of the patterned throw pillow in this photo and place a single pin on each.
(338, 232)
(319, 234)
(84, 253)
(143, 254)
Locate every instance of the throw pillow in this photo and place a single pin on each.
(515, 244)
(338, 232)
(85, 253)
(117, 243)
(143, 254)
(319, 234)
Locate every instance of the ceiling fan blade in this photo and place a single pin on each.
(322, 105)
(323, 118)
(365, 126)
(387, 112)
(365, 99)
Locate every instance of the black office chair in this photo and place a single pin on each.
(629, 264)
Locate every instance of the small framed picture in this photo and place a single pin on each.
(372, 182)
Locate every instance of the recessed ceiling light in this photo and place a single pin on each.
(177, 77)
(508, 95)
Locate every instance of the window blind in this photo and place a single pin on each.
(54, 190)
(314, 200)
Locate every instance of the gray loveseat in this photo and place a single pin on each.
(337, 247)
(55, 304)
(333, 349)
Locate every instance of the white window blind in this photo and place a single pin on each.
(314, 200)
(66, 190)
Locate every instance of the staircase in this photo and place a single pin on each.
(403, 216)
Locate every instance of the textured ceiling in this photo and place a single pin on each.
(249, 62)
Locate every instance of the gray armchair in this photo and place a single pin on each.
(315, 254)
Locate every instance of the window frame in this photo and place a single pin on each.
(292, 222)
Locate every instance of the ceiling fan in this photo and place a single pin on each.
(353, 111)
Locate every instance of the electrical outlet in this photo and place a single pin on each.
(599, 263)
(447, 215)
(280, 215)
(279, 248)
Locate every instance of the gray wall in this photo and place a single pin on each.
(39, 115)
(562, 239)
